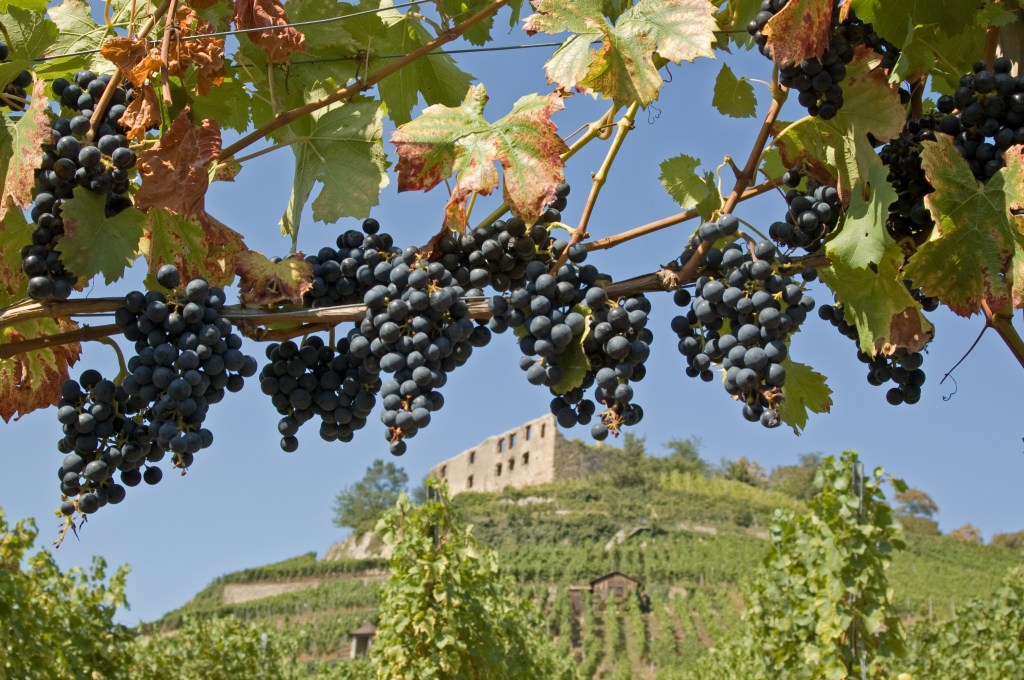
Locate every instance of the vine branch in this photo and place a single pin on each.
(1002, 322)
(287, 117)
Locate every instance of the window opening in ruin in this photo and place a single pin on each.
(511, 464)
(472, 457)
(543, 427)
(497, 470)
(444, 470)
(526, 458)
(527, 433)
(511, 440)
(501, 445)
(469, 482)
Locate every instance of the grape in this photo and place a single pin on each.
(13, 94)
(811, 216)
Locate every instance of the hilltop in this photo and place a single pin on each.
(688, 537)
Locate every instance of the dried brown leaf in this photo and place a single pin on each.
(277, 44)
(206, 54)
(142, 113)
(32, 380)
(263, 282)
(133, 56)
(174, 171)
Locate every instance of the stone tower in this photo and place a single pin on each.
(533, 453)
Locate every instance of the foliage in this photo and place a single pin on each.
(54, 624)
(743, 470)
(968, 533)
(796, 480)
(1013, 541)
(915, 503)
(360, 505)
(446, 609)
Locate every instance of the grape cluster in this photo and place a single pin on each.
(103, 433)
(741, 317)
(818, 82)
(811, 214)
(985, 116)
(186, 358)
(342, 276)
(14, 94)
(315, 379)
(908, 216)
(72, 160)
(902, 368)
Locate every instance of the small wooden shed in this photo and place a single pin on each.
(361, 639)
(614, 584)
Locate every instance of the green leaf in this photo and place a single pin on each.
(734, 96)
(891, 18)
(31, 33)
(446, 140)
(574, 362)
(689, 189)
(79, 32)
(94, 243)
(974, 238)
(625, 67)
(340, 147)
(865, 274)
(733, 18)
(15, 233)
(805, 392)
(31, 5)
(229, 103)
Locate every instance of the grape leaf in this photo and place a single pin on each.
(33, 5)
(205, 54)
(31, 34)
(689, 189)
(798, 31)
(169, 238)
(733, 18)
(865, 274)
(974, 237)
(94, 243)
(438, 78)
(841, 145)
(625, 67)
(15, 233)
(1014, 157)
(574, 363)
(32, 380)
(805, 392)
(340, 147)
(133, 56)
(446, 140)
(266, 283)
(229, 103)
(79, 32)
(143, 113)
(733, 96)
(278, 43)
(891, 18)
(460, 10)
(174, 170)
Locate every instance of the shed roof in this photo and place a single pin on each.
(365, 629)
(610, 575)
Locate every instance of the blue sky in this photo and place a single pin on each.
(245, 502)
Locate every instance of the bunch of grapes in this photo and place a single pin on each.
(908, 216)
(819, 81)
(73, 160)
(15, 93)
(811, 214)
(186, 358)
(985, 116)
(315, 379)
(342, 276)
(741, 318)
(103, 433)
(902, 368)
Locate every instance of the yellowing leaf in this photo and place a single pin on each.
(689, 189)
(94, 243)
(266, 283)
(446, 140)
(32, 380)
(974, 237)
(805, 392)
(625, 67)
(185, 242)
(799, 30)
(733, 96)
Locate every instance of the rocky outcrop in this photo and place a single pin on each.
(359, 547)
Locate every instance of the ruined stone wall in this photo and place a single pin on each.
(533, 453)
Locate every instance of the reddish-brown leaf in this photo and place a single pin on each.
(32, 130)
(224, 245)
(206, 54)
(173, 171)
(133, 56)
(277, 44)
(32, 380)
(263, 282)
(142, 113)
(799, 31)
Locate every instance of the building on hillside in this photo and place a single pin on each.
(614, 584)
(361, 639)
(533, 453)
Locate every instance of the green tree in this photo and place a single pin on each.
(56, 625)
(360, 505)
(446, 609)
(743, 470)
(968, 533)
(1013, 541)
(916, 511)
(796, 480)
(684, 456)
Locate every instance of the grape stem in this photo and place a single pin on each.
(349, 91)
(81, 335)
(122, 367)
(1002, 321)
(623, 126)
